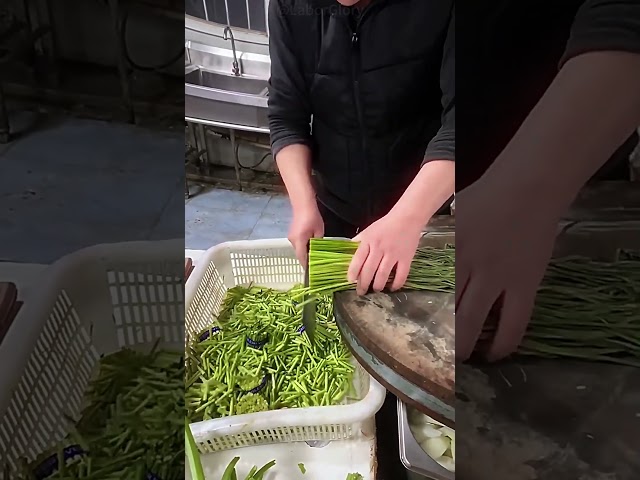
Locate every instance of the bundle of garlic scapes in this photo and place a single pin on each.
(437, 440)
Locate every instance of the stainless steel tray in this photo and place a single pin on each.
(411, 454)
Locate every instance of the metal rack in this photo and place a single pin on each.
(20, 40)
(224, 12)
(33, 37)
(125, 66)
(197, 153)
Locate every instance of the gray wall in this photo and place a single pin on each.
(84, 33)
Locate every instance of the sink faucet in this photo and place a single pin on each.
(228, 35)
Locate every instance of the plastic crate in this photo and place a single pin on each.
(268, 263)
(93, 302)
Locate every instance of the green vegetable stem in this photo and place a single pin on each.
(193, 455)
(254, 474)
(432, 269)
(586, 310)
(260, 359)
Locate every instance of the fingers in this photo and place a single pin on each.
(369, 270)
(402, 272)
(471, 313)
(301, 253)
(383, 274)
(300, 243)
(357, 262)
(516, 312)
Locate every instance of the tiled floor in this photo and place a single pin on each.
(215, 216)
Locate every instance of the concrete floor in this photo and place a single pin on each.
(73, 183)
(215, 216)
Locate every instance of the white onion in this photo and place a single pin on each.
(448, 463)
(453, 449)
(437, 440)
(436, 446)
(422, 432)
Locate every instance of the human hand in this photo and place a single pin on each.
(307, 223)
(389, 243)
(505, 241)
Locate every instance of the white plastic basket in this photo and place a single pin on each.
(268, 263)
(93, 302)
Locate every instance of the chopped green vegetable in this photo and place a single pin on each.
(260, 354)
(230, 472)
(131, 427)
(259, 475)
(302, 468)
(251, 403)
(193, 455)
(254, 474)
(249, 382)
(354, 476)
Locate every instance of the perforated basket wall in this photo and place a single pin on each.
(94, 302)
(268, 263)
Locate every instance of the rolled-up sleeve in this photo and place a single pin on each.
(605, 25)
(289, 108)
(443, 145)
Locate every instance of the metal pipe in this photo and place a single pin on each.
(206, 13)
(248, 15)
(236, 160)
(203, 147)
(228, 35)
(226, 10)
(5, 132)
(53, 51)
(122, 63)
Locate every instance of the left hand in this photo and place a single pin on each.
(388, 244)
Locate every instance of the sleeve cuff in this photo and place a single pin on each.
(605, 25)
(279, 144)
(442, 147)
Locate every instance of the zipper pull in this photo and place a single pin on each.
(354, 39)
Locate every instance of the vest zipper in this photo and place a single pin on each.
(356, 67)
(356, 71)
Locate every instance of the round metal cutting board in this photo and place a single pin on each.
(406, 341)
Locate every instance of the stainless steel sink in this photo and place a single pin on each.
(215, 96)
(228, 83)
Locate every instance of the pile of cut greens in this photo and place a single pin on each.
(131, 427)
(256, 357)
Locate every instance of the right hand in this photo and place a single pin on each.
(307, 223)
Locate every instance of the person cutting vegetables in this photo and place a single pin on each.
(362, 94)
